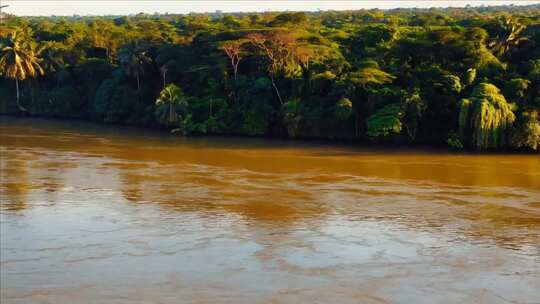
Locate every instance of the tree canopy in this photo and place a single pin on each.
(464, 77)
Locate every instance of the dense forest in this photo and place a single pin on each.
(468, 78)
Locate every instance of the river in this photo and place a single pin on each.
(104, 214)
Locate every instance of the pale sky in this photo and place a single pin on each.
(108, 7)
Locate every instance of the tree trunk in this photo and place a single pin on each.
(235, 68)
(138, 89)
(108, 54)
(356, 123)
(21, 108)
(172, 113)
(163, 74)
(276, 88)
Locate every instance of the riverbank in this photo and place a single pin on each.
(344, 143)
(441, 77)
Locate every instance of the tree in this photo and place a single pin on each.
(386, 121)
(343, 109)
(105, 35)
(323, 74)
(414, 107)
(51, 54)
(289, 19)
(170, 104)
(164, 69)
(516, 88)
(233, 51)
(528, 134)
(485, 117)
(508, 37)
(292, 116)
(470, 76)
(370, 76)
(18, 59)
(135, 60)
(365, 79)
(280, 52)
(450, 84)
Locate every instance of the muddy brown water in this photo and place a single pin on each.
(93, 214)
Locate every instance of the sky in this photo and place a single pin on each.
(125, 7)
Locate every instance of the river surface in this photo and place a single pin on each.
(94, 214)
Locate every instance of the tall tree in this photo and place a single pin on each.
(233, 51)
(487, 116)
(509, 36)
(18, 58)
(281, 53)
(365, 81)
(134, 59)
(170, 103)
(51, 54)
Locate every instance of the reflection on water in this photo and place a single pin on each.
(102, 215)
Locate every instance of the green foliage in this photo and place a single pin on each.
(92, 72)
(333, 74)
(507, 34)
(59, 101)
(452, 84)
(370, 76)
(292, 19)
(18, 58)
(516, 88)
(102, 99)
(454, 141)
(482, 58)
(134, 59)
(470, 76)
(528, 133)
(170, 105)
(209, 115)
(386, 121)
(487, 114)
(255, 121)
(121, 104)
(464, 116)
(415, 107)
(292, 116)
(343, 109)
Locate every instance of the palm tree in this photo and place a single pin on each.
(170, 101)
(165, 68)
(52, 60)
(135, 60)
(51, 54)
(509, 36)
(18, 59)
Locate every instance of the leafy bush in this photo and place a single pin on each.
(528, 132)
(454, 141)
(386, 121)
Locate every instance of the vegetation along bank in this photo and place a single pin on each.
(464, 77)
